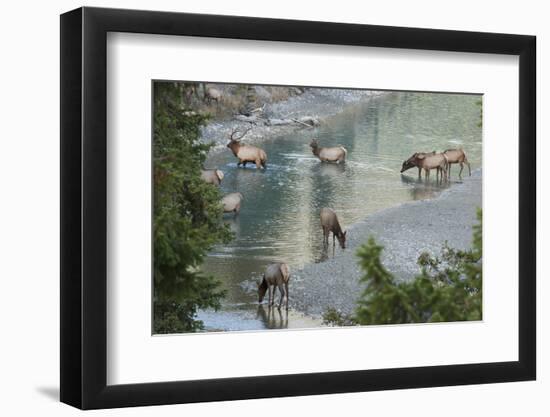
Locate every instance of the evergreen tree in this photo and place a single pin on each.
(447, 289)
(187, 215)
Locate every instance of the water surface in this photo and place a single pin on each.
(279, 218)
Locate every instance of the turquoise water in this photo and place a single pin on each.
(279, 218)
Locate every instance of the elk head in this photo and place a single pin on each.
(262, 289)
(342, 239)
(234, 137)
(313, 144)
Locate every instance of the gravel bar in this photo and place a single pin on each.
(405, 231)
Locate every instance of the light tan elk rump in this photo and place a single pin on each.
(212, 176)
(232, 203)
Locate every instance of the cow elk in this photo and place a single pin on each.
(457, 156)
(329, 223)
(427, 162)
(336, 154)
(212, 94)
(411, 162)
(232, 203)
(275, 276)
(246, 153)
(212, 176)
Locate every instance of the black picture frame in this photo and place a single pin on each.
(84, 207)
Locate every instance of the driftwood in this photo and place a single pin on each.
(306, 121)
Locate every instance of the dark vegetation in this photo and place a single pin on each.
(447, 289)
(187, 215)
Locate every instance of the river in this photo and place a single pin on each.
(279, 218)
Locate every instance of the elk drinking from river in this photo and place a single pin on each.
(427, 162)
(246, 153)
(329, 223)
(275, 275)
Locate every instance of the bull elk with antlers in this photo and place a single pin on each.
(246, 153)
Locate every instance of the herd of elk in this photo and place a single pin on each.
(277, 275)
(441, 162)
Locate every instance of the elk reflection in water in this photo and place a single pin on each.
(273, 318)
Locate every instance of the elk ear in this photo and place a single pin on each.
(421, 156)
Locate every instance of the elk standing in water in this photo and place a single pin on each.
(246, 153)
(457, 156)
(337, 154)
(275, 275)
(409, 163)
(212, 176)
(232, 203)
(329, 223)
(427, 162)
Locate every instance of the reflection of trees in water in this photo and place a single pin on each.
(273, 318)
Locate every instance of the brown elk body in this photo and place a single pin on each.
(212, 94)
(411, 162)
(232, 202)
(212, 176)
(247, 153)
(329, 223)
(457, 156)
(336, 154)
(275, 276)
(427, 162)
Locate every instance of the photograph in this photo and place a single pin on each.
(303, 207)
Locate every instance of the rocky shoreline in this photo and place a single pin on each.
(405, 231)
(319, 103)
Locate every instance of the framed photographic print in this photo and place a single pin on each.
(258, 208)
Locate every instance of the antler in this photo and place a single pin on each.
(236, 130)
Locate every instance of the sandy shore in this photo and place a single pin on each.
(405, 232)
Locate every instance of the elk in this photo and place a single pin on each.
(232, 203)
(212, 176)
(337, 154)
(329, 223)
(246, 153)
(457, 156)
(427, 162)
(275, 275)
(409, 163)
(212, 94)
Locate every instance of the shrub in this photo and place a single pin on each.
(447, 289)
